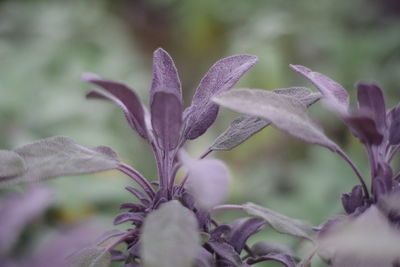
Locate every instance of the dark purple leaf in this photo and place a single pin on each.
(364, 128)
(281, 223)
(282, 258)
(134, 250)
(170, 235)
(61, 156)
(124, 97)
(11, 164)
(226, 252)
(222, 76)
(166, 119)
(244, 127)
(284, 112)
(208, 181)
(129, 217)
(334, 94)
(242, 229)
(139, 195)
(17, 211)
(222, 229)
(353, 200)
(204, 258)
(117, 255)
(133, 207)
(371, 101)
(394, 125)
(165, 75)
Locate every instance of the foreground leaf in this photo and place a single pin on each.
(281, 223)
(284, 112)
(170, 237)
(208, 182)
(60, 156)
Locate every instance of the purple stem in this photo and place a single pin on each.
(227, 207)
(205, 154)
(137, 177)
(355, 169)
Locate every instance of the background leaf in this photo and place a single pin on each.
(11, 163)
(94, 256)
(281, 223)
(170, 236)
(59, 156)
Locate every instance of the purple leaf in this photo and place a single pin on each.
(11, 164)
(282, 258)
(244, 127)
(242, 229)
(371, 102)
(284, 112)
(17, 211)
(364, 128)
(204, 258)
(394, 125)
(222, 76)
(139, 195)
(334, 94)
(208, 181)
(124, 97)
(353, 200)
(226, 252)
(170, 234)
(133, 207)
(166, 119)
(60, 156)
(165, 75)
(281, 223)
(135, 218)
(264, 248)
(383, 181)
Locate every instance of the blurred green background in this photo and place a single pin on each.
(45, 45)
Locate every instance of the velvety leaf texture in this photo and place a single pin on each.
(60, 156)
(124, 97)
(244, 127)
(11, 163)
(371, 101)
(90, 257)
(242, 230)
(226, 251)
(208, 181)
(364, 128)
(165, 75)
(334, 94)
(170, 236)
(284, 112)
(17, 211)
(166, 119)
(222, 76)
(281, 223)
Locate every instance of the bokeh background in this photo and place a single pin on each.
(46, 44)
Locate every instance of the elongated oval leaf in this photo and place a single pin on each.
(208, 182)
(222, 76)
(166, 119)
(170, 236)
(124, 97)
(60, 156)
(281, 223)
(94, 256)
(394, 125)
(334, 94)
(244, 127)
(284, 112)
(11, 163)
(165, 75)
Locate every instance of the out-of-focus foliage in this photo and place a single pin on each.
(45, 46)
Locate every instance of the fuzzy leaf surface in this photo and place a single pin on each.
(281, 223)
(11, 163)
(60, 156)
(222, 76)
(94, 256)
(284, 112)
(170, 234)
